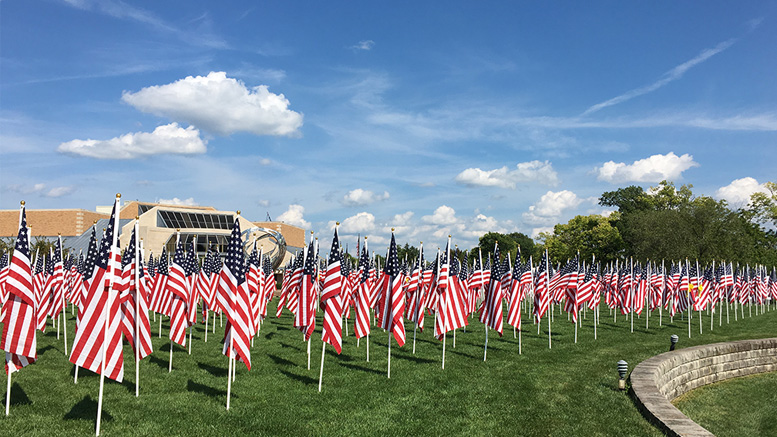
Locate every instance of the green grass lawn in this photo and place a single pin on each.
(737, 407)
(570, 390)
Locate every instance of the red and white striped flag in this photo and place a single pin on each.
(391, 301)
(362, 325)
(491, 308)
(305, 319)
(18, 337)
(233, 299)
(178, 287)
(331, 298)
(98, 345)
(132, 294)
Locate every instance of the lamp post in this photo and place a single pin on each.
(623, 367)
(673, 342)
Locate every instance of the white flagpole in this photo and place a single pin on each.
(698, 286)
(64, 306)
(230, 367)
(547, 288)
(109, 303)
(388, 370)
(194, 247)
(632, 300)
(321, 373)
(137, 308)
(170, 366)
(8, 388)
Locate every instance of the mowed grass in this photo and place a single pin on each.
(737, 407)
(569, 390)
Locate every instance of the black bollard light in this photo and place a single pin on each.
(673, 340)
(623, 367)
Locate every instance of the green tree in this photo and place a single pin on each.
(592, 235)
(408, 252)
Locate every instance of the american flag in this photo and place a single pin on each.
(98, 334)
(362, 325)
(55, 284)
(391, 302)
(18, 337)
(132, 294)
(305, 319)
(452, 304)
(234, 301)
(159, 300)
(491, 308)
(331, 298)
(178, 287)
(541, 288)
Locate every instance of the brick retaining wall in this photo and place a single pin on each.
(656, 381)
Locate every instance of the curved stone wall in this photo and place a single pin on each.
(658, 380)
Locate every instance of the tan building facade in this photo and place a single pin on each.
(160, 227)
(49, 222)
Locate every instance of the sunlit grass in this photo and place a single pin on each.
(568, 390)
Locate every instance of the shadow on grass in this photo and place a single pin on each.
(282, 361)
(82, 373)
(291, 346)
(207, 390)
(413, 358)
(213, 370)
(282, 328)
(269, 336)
(454, 351)
(159, 362)
(301, 378)
(86, 409)
(46, 349)
(18, 396)
(361, 368)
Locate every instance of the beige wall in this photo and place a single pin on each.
(49, 222)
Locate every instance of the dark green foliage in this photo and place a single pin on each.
(673, 224)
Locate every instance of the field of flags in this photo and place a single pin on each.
(116, 294)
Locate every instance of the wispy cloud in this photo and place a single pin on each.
(670, 76)
(123, 11)
(365, 45)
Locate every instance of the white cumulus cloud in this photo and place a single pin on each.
(166, 139)
(550, 207)
(359, 223)
(176, 201)
(294, 216)
(443, 215)
(652, 169)
(219, 104)
(360, 197)
(738, 192)
(532, 171)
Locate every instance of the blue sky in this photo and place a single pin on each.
(434, 118)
